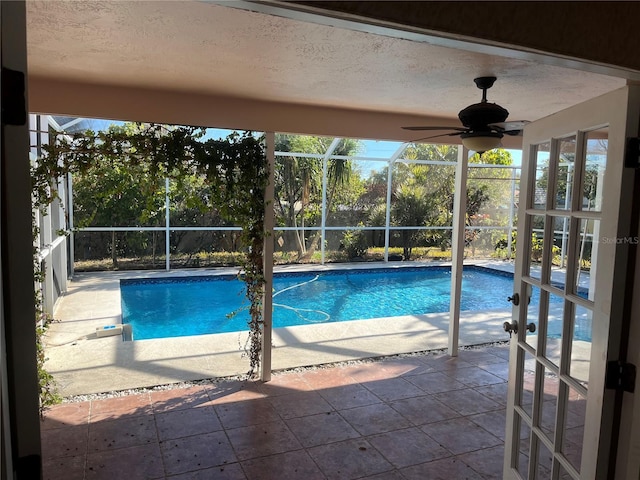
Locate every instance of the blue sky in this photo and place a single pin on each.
(372, 148)
(384, 149)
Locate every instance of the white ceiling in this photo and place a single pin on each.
(212, 49)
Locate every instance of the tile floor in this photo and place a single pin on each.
(415, 417)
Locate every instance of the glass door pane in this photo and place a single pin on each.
(559, 252)
(536, 303)
(589, 232)
(541, 158)
(574, 428)
(564, 160)
(579, 361)
(553, 328)
(597, 144)
(536, 245)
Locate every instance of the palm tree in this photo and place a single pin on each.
(413, 206)
(298, 183)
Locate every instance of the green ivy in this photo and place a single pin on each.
(47, 386)
(235, 169)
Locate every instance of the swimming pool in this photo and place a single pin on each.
(159, 308)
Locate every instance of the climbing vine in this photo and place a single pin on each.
(235, 170)
(48, 395)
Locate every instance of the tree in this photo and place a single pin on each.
(113, 192)
(413, 206)
(235, 170)
(298, 184)
(565, 179)
(436, 182)
(191, 203)
(495, 185)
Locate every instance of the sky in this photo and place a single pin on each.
(371, 148)
(384, 149)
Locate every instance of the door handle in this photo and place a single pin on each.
(510, 327)
(515, 299)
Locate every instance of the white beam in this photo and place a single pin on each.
(71, 123)
(167, 226)
(69, 226)
(387, 223)
(325, 174)
(457, 248)
(267, 302)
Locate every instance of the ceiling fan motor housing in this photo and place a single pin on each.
(479, 115)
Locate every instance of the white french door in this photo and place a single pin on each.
(570, 278)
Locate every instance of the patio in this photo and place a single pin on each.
(411, 417)
(369, 399)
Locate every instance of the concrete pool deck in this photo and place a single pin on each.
(81, 363)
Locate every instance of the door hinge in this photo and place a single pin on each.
(14, 105)
(621, 376)
(632, 152)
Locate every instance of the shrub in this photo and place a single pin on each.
(354, 243)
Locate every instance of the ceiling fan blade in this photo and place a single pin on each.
(436, 136)
(458, 129)
(513, 133)
(510, 126)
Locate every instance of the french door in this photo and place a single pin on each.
(573, 243)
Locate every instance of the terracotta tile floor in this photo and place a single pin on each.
(416, 417)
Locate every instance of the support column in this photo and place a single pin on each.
(61, 254)
(457, 248)
(70, 227)
(387, 223)
(167, 227)
(267, 302)
(325, 178)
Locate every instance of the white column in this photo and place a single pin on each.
(267, 302)
(387, 225)
(71, 238)
(457, 248)
(325, 180)
(167, 225)
(323, 206)
(61, 253)
(45, 214)
(387, 221)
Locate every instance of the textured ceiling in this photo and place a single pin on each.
(208, 48)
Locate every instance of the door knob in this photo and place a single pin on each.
(531, 327)
(510, 327)
(515, 299)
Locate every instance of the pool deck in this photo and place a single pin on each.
(82, 363)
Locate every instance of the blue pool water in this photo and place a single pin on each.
(159, 308)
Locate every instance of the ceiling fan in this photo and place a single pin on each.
(483, 123)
